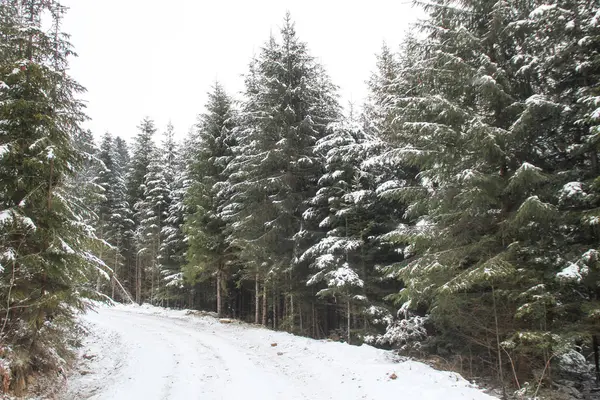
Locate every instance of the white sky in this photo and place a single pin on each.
(156, 58)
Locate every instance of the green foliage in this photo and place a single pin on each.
(45, 240)
(490, 119)
(209, 252)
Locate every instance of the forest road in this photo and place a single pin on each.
(148, 353)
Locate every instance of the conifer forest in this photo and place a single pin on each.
(454, 217)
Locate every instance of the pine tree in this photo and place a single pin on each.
(123, 223)
(43, 235)
(347, 209)
(174, 244)
(381, 90)
(289, 101)
(486, 129)
(141, 155)
(114, 213)
(152, 211)
(209, 254)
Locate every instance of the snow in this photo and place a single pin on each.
(5, 217)
(572, 190)
(574, 362)
(356, 196)
(572, 272)
(4, 149)
(148, 353)
(9, 216)
(539, 12)
(344, 276)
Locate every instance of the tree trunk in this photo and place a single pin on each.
(115, 276)
(99, 277)
(219, 292)
(301, 322)
(152, 283)
(138, 280)
(498, 349)
(349, 319)
(596, 357)
(257, 300)
(264, 305)
(274, 309)
(292, 313)
(314, 321)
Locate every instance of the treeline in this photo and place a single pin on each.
(454, 216)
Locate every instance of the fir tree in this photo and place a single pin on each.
(483, 126)
(174, 244)
(289, 101)
(172, 240)
(141, 155)
(381, 89)
(152, 213)
(43, 235)
(209, 253)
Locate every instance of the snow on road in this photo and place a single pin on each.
(149, 353)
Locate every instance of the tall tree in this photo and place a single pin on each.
(43, 235)
(209, 254)
(289, 101)
(174, 245)
(152, 212)
(382, 88)
(482, 121)
(141, 156)
(123, 223)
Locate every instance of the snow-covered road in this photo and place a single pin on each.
(149, 353)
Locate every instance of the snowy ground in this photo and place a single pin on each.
(150, 353)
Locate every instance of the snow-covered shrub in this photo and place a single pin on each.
(406, 332)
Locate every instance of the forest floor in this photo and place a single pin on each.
(149, 353)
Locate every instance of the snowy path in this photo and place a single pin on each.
(148, 353)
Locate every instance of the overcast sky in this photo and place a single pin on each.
(159, 58)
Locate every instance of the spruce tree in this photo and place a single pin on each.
(170, 252)
(141, 155)
(174, 245)
(289, 101)
(120, 260)
(482, 120)
(43, 235)
(381, 89)
(209, 254)
(152, 212)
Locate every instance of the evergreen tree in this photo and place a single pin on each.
(348, 211)
(209, 253)
(289, 101)
(123, 223)
(381, 89)
(152, 211)
(141, 155)
(113, 211)
(174, 244)
(43, 235)
(485, 127)
(172, 240)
